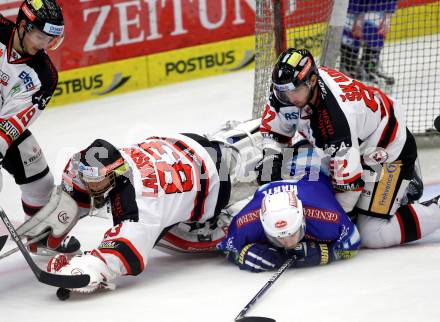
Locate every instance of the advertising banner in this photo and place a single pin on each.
(115, 46)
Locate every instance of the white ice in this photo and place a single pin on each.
(397, 284)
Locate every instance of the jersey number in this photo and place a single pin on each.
(175, 178)
(268, 116)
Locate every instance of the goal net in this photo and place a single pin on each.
(390, 44)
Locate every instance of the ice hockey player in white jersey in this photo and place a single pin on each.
(149, 187)
(27, 82)
(360, 134)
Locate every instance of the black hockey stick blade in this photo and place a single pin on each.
(3, 240)
(255, 319)
(64, 281)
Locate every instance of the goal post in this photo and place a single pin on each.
(394, 45)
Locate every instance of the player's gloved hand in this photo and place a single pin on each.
(259, 258)
(92, 263)
(300, 251)
(269, 167)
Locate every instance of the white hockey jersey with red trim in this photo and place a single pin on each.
(174, 177)
(26, 86)
(172, 180)
(350, 124)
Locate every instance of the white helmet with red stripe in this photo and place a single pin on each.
(282, 214)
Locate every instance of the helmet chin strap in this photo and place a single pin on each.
(21, 38)
(311, 91)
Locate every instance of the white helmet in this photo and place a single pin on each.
(282, 214)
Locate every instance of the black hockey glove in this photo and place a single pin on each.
(269, 167)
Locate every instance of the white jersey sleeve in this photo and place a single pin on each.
(352, 124)
(278, 124)
(26, 86)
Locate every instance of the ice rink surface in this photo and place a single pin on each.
(396, 284)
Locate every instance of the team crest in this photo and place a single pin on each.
(379, 155)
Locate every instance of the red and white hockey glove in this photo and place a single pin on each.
(91, 263)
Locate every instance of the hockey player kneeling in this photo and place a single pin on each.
(360, 134)
(285, 219)
(148, 188)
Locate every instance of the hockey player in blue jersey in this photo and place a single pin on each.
(367, 25)
(288, 218)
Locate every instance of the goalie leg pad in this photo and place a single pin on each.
(240, 144)
(195, 237)
(59, 215)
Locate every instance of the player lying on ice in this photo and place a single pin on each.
(148, 187)
(285, 219)
(313, 227)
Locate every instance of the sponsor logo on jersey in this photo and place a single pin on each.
(379, 155)
(4, 78)
(200, 63)
(9, 129)
(14, 90)
(37, 156)
(107, 244)
(27, 80)
(386, 187)
(325, 124)
(386, 191)
(248, 218)
(291, 116)
(321, 214)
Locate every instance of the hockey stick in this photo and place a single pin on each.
(3, 240)
(26, 244)
(241, 316)
(64, 281)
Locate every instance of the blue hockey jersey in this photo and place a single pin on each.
(329, 233)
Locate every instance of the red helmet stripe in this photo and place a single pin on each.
(28, 12)
(305, 70)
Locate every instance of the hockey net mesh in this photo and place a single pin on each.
(404, 62)
(303, 25)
